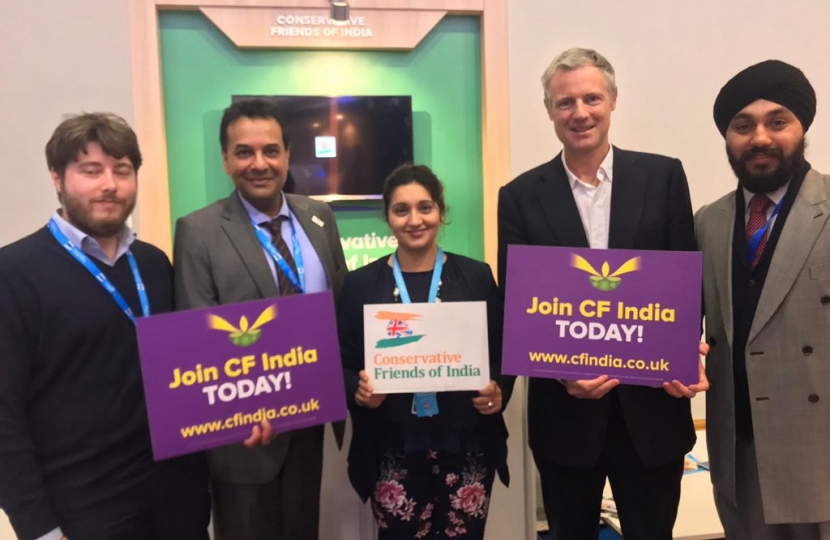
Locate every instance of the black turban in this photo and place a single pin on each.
(772, 80)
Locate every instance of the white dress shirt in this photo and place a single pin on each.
(594, 202)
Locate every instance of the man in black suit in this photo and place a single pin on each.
(594, 195)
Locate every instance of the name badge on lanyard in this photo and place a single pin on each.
(82, 258)
(298, 279)
(424, 404)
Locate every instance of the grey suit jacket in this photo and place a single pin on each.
(787, 357)
(218, 260)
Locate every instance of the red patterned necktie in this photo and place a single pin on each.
(275, 228)
(758, 206)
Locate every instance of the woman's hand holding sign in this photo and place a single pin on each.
(365, 396)
(489, 400)
(679, 390)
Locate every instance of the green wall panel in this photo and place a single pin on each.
(202, 69)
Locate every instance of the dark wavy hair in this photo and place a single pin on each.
(407, 174)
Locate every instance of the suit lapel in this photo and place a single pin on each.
(804, 223)
(559, 207)
(315, 231)
(627, 196)
(720, 253)
(237, 226)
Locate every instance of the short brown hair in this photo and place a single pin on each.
(76, 132)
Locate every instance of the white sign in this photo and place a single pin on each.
(325, 146)
(426, 347)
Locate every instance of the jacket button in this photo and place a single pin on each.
(813, 398)
(807, 350)
(712, 342)
(825, 300)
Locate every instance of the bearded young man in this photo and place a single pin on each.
(75, 457)
(766, 250)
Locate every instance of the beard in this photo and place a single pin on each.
(80, 214)
(771, 178)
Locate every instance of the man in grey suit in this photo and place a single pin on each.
(766, 251)
(260, 243)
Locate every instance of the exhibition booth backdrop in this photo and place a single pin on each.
(202, 69)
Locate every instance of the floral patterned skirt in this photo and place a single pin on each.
(432, 495)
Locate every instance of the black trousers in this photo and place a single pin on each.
(287, 508)
(173, 503)
(646, 497)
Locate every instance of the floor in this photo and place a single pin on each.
(604, 534)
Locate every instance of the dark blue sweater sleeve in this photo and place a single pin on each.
(22, 494)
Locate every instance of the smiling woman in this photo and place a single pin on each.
(430, 449)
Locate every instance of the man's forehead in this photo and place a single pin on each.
(763, 107)
(93, 153)
(583, 79)
(247, 131)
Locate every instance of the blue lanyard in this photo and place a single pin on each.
(298, 279)
(82, 258)
(755, 241)
(424, 403)
(436, 278)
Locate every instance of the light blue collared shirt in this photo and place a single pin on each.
(89, 245)
(315, 276)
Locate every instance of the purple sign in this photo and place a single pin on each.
(578, 313)
(211, 374)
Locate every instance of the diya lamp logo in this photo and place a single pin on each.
(605, 280)
(243, 335)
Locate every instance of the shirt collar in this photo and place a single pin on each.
(89, 245)
(775, 196)
(260, 217)
(605, 172)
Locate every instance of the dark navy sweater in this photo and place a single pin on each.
(73, 424)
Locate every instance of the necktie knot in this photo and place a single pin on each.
(274, 226)
(759, 204)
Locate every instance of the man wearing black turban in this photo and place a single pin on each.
(766, 281)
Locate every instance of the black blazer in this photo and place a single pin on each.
(650, 209)
(463, 279)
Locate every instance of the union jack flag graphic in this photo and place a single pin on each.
(398, 329)
(397, 325)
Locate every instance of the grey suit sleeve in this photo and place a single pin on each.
(339, 257)
(193, 282)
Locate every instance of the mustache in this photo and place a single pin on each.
(762, 152)
(105, 199)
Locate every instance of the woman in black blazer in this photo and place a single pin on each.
(427, 477)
